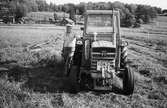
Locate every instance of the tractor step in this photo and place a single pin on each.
(100, 88)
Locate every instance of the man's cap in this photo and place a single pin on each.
(69, 25)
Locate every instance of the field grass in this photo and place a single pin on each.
(45, 15)
(31, 69)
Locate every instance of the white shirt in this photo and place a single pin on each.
(69, 40)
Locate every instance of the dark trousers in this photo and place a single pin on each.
(66, 52)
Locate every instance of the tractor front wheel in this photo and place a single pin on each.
(128, 81)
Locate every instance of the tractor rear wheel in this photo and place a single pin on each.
(128, 81)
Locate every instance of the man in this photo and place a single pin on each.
(68, 47)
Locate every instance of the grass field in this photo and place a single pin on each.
(36, 16)
(31, 69)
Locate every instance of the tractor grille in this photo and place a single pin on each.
(100, 56)
(103, 56)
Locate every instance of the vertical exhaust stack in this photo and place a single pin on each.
(118, 40)
(94, 36)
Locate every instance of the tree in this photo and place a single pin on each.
(55, 16)
(81, 8)
(72, 14)
(21, 10)
(164, 11)
(42, 5)
(159, 10)
(66, 8)
(146, 13)
(129, 19)
(129, 13)
(132, 8)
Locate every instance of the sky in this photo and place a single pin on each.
(159, 3)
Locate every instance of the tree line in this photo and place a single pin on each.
(131, 14)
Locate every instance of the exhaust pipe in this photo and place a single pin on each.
(94, 36)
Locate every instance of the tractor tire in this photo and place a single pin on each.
(128, 81)
(123, 56)
(73, 79)
(82, 82)
(86, 82)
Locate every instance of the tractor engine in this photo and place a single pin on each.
(103, 54)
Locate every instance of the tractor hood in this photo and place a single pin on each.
(100, 44)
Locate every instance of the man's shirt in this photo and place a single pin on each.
(69, 39)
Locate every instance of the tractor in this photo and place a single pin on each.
(101, 54)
